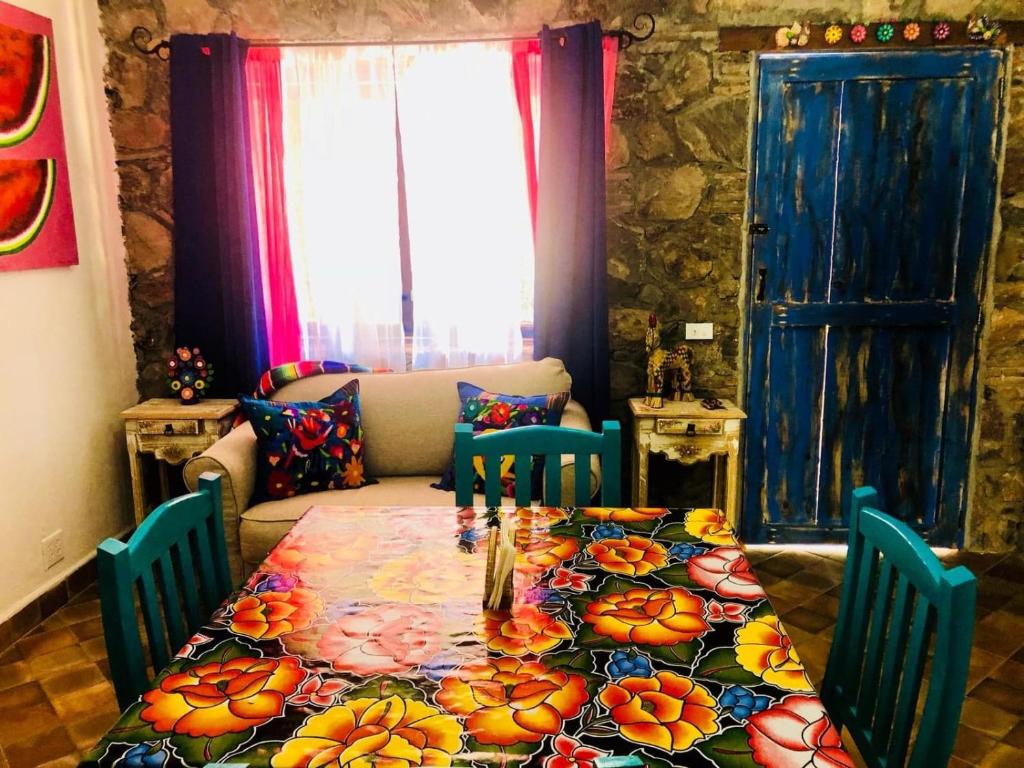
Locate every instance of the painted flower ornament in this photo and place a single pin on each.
(885, 32)
(941, 31)
(189, 374)
(833, 34)
(982, 29)
(858, 34)
(796, 34)
(911, 31)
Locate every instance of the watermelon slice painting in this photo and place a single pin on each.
(37, 227)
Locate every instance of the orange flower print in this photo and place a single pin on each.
(396, 732)
(796, 732)
(624, 515)
(353, 474)
(539, 517)
(711, 526)
(667, 711)
(267, 615)
(506, 701)
(764, 648)
(540, 551)
(222, 697)
(649, 616)
(527, 629)
(631, 556)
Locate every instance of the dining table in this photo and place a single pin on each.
(635, 637)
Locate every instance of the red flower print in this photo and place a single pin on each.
(500, 413)
(318, 692)
(572, 754)
(726, 612)
(312, 430)
(796, 733)
(726, 571)
(568, 579)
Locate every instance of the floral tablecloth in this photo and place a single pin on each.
(361, 642)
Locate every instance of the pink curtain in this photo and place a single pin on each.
(526, 64)
(263, 76)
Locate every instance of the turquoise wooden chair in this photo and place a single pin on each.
(897, 600)
(523, 443)
(176, 562)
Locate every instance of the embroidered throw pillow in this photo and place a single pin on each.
(490, 411)
(307, 447)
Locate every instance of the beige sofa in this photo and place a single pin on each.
(408, 422)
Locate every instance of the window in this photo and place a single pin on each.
(406, 166)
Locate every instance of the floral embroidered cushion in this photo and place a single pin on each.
(490, 411)
(307, 447)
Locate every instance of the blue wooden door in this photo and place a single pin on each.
(871, 217)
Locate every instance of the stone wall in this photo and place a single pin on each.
(677, 178)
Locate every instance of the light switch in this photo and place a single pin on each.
(699, 331)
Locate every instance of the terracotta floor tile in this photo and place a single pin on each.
(85, 702)
(784, 564)
(956, 762)
(1011, 673)
(1010, 568)
(95, 648)
(826, 605)
(3, 759)
(793, 591)
(14, 674)
(88, 629)
(58, 660)
(1015, 738)
(37, 749)
(46, 642)
(10, 656)
(68, 761)
(87, 731)
(972, 745)
(987, 718)
(89, 593)
(25, 722)
(999, 695)
(805, 618)
(71, 680)
(1003, 756)
(76, 612)
(813, 579)
(983, 663)
(21, 696)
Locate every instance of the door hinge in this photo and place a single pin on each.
(757, 228)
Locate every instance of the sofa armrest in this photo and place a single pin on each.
(575, 417)
(233, 457)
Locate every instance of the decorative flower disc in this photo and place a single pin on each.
(833, 34)
(885, 32)
(941, 31)
(911, 31)
(858, 33)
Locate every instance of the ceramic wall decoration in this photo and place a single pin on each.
(796, 34)
(189, 375)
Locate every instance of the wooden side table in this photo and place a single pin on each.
(172, 433)
(688, 433)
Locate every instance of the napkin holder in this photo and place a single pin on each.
(501, 558)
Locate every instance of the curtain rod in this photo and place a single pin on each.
(643, 23)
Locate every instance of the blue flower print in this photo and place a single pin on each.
(684, 550)
(743, 702)
(608, 531)
(144, 756)
(276, 582)
(629, 664)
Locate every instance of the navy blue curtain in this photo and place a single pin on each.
(218, 293)
(570, 291)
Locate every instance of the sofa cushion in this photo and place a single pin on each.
(304, 446)
(492, 411)
(409, 418)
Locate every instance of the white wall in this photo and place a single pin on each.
(67, 366)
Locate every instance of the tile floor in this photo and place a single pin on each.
(56, 699)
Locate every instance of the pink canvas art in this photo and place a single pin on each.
(37, 226)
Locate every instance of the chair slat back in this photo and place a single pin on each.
(175, 565)
(897, 602)
(551, 443)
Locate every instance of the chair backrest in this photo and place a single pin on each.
(898, 600)
(176, 563)
(523, 443)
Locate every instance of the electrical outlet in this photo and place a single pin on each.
(53, 548)
(699, 331)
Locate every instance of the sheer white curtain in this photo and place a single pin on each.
(470, 234)
(340, 167)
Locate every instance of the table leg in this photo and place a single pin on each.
(640, 476)
(732, 487)
(716, 480)
(165, 484)
(138, 485)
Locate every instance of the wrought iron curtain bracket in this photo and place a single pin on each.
(643, 23)
(141, 39)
